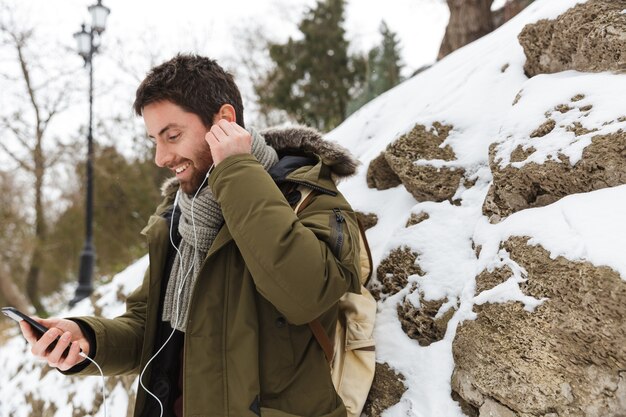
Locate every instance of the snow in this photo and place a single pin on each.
(530, 112)
(472, 89)
(28, 376)
(581, 227)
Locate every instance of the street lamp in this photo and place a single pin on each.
(87, 41)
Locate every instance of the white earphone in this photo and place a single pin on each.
(180, 290)
(181, 269)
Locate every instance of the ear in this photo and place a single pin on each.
(226, 112)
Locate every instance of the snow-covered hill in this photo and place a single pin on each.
(474, 92)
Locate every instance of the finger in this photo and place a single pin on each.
(211, 139)
(55, 357)
(28, 333)
(242, 133)
(219, 133)
(72, 358)
(227, 127)
(40, 347)
(239, 128)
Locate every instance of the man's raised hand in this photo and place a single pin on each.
(227, 139)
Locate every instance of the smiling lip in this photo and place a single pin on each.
(181, 168)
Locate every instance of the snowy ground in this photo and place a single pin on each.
(472, 89)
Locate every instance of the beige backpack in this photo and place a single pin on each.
(352, 357)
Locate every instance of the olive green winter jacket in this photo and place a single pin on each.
(267, 274)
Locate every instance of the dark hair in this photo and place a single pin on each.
(195, 83)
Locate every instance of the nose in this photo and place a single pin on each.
(162, 155)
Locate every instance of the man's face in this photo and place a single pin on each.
(180, 144)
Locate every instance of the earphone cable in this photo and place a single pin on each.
(104, 397)
(180, 288)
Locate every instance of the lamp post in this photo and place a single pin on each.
(87, 42)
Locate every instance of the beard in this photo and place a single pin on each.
(197, 176)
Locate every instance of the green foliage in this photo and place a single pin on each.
(383, 69)
(313, 78)
(126, 194)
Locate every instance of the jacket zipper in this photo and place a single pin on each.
(314, 187)
(336, 222)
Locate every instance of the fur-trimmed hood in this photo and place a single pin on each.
(305, 139)
(299, 139)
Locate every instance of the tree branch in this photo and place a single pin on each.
(21, 162)
(19, 135)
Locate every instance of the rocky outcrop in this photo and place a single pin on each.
(589, 38)
(417, 218)
(425, 181)
(518, 184)
(421, 323)
(387, 389)
(380, 175)
(535, 185)
(367, 220)
(393, 272)
(566, 358)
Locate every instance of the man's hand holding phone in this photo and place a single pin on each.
(69, 335)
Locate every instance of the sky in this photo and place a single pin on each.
(420, 24)
(140, 30)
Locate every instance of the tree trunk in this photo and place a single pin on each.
(11, 293)
(469, 20)
(32, 278)
(510, 9)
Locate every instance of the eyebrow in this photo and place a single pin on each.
(165, 129)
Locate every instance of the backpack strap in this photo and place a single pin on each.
(316, 327)
(322, 338)
(367, 265)
(305, 200)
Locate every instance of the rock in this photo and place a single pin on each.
(544, 129)
(490, 408)
(566, 358)
(368, 220)
(380, 175)
(487, 280)
(469, 397)
(425, 182)
(387, 390)
(393, 272)
(603, 164)
(588, 38)
(420, 324)
(417, 218)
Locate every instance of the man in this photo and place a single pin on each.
(235, 275)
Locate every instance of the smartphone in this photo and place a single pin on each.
(39, 329)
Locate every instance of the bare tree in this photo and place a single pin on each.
(510, 9)
(15, 235)
(469, 20)
(472, 19)
(44, 93)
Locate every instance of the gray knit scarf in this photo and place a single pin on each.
(200, 221)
